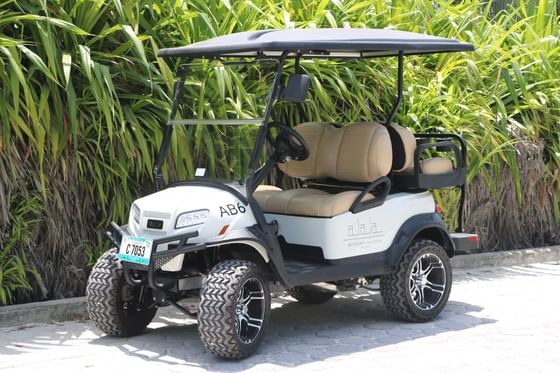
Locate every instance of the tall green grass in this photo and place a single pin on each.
(83, 98)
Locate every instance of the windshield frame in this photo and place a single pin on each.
(178, 94)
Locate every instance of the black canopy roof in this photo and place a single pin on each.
(338, 42)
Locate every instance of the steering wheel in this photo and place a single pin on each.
(288, 144)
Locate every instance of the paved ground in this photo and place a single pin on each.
(497, 320)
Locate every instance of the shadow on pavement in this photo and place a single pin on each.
(351, 323)
(297, 334)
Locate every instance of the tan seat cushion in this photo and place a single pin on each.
(264, 192)
(436, 166)
(307, 202)
(268, 188)
(360, 152)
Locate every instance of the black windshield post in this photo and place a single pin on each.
(253, 182)
(297, 65)
(178, 89)
(398, 101)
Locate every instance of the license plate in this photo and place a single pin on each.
(135, 250)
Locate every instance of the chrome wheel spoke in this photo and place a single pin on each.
(240, 319)
(428, 269)
(244, 299)
(431, 267)
(421, 269)
(413, 288)
(256, 295)
(435, 287)
(416, 270)
(254, 322)
(251, 296)
(421, 301)
(415, 294)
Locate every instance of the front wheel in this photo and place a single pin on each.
(234, 309)
(419, 289)
(114, 306)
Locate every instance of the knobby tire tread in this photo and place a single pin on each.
(102, 293)
(394, 286)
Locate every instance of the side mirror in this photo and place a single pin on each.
(296, 89)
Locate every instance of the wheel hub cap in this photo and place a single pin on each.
(421, 281)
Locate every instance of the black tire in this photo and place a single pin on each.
(112, 304)
(222, 325)
(311, 294)
(418, 298)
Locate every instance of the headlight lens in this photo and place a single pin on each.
(136, 213)
(191, 218)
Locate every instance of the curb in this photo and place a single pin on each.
(75, 308)
(507, 258)
(43, 312)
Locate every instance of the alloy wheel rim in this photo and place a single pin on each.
(427, 281)
(249, 310)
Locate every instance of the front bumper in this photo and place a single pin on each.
(157, 259)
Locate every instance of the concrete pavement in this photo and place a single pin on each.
(498, 319)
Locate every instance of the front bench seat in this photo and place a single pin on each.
(307, 202)
(358, 153)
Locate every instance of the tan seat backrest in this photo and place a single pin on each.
(404, 145)
(360, 152)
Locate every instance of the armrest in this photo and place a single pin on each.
(447, 136)
(447, 147)
(358, 205)
(461, 163)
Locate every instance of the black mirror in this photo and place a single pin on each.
(296, 89)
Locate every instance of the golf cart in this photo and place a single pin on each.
(362, 210)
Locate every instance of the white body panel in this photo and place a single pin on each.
(223, 207)
(348, 235)
(340, 237)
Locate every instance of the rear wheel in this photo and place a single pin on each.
(234, 309)
(311, 294)
(114, 306)
(419, 289)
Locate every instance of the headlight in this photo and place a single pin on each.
(136, 213)
(191, 218)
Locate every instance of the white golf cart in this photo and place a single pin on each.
(362, 211)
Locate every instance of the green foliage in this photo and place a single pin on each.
(14, 266)
(83, 98)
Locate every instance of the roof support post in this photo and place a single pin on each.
(398, 101)
(297, 66)
(178, 89)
